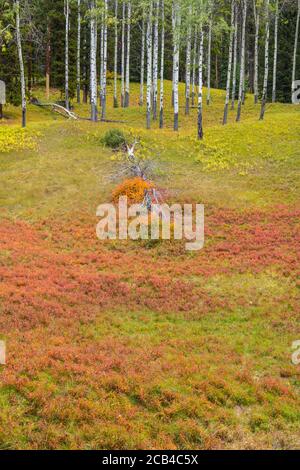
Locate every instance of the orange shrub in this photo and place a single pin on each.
(133, 188)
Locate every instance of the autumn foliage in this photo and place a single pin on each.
(118, 341)
(123, 344)
(133, 188)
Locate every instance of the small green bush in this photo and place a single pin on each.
(114, 139)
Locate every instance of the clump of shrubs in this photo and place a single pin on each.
(133, 188)
(114, 139)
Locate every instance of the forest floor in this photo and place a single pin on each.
(127, 345)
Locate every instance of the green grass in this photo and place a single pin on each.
(123, 345)
(246, 164)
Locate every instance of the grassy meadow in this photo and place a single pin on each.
(133, 345)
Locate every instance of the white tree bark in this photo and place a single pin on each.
(78, 78)
(234, 58)
(48, 60)
(173, 70)
(162, 64)
(104, 67)
(155, 61)
(123, 57)
(149, 65)
(188, 63)
(208, 98)
(93, 61)
(266, 73)
(295, 48)
(229, 63)
(67, 16)
(176, 52)
(194, 66)
(257, 21)
(127, 86)
(200, 89)
(116, 57)
(101, 57)
(242, 64)
(141, 101)
(275, 52)
(21, 63)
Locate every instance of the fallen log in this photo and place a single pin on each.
(57, 108)
(69, 114)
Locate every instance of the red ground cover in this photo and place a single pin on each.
(63, 271)
(107, 390)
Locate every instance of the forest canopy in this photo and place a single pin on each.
(78, 46)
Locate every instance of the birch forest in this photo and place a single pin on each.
(239, 46)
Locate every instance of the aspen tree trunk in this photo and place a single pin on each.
(78, 49)
(123, 58)
(173, 70)
(162, 64)
(200, 92)
(21, 63)
(244, 81)
(188, 64)
(275, 52)
(295, 49)
(149, 65)
(104, 67)
(266, 73)
(141, 101)
(242, 64)
(101, 58)
(127, 87)
(173, 79)
(116, 57)
(29, 67)
(67, 16)
(229, 63)
(256, 20)
(93, 62)
(234, 58)
(209, 62)
(176, 51)
(48, 61)
(155, 61)
(194, 66)
(85, 66)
